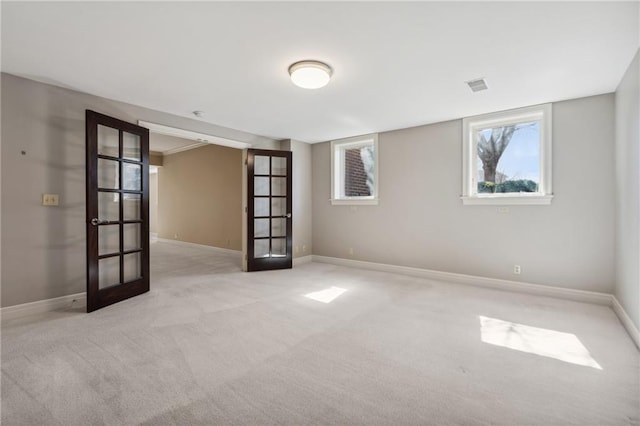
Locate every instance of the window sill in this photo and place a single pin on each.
(503, 200)
(354, 202)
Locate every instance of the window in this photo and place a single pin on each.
(507, 157)
(354, 170)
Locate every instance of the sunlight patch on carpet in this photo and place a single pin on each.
(327, 295)
(539, 341)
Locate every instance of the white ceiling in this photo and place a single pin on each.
(395, 65)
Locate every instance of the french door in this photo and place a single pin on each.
(269, 210)
(117, 210)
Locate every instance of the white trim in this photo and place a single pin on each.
(540, 113)
(337, 149)
(626, 321)
(212, 248)
(297, 261)
(594, 297)
(245, 211)
(183, 148)
(80, 299)
(188, 134)
(508, 200)
(355, 202)
(41, 306)
(495, 283)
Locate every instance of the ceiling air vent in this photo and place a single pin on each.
(477, 85)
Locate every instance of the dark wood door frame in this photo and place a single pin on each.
(270, 262)
(100, 297)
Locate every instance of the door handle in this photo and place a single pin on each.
(288, 215)
(96, 221)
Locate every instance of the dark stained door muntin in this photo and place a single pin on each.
(117, 210)
(269, 210)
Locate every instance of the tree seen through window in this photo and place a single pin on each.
(509, 158)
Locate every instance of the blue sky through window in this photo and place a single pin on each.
(521, 159)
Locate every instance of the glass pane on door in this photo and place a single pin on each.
(109, 271)
(278, 247)
(260, 228)
(109, 206)
(260, 248)
(278, 206)
(261, 186)
(132, 177)
(279, 166)
(132, 267)
(108, 239)
(261, 207)
(131, 147)
(132, 206)
(278, 227)
(108, 174)
(132, 236)
(108, 141)
(279, 186)
(260, 165)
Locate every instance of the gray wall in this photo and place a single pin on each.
(627, 106)
(43, 248)
(302, 209)
(421, 222)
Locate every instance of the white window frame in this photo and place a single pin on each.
(471, 125)
(337, 170)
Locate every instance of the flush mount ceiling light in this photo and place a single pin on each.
(310, 74)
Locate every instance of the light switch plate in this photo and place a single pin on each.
(50, 200)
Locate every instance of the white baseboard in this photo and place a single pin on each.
(499, 284)
(626, 321)
(41, 306)
(202, 246)
(302, 260)
(79, 299)
(506, 285)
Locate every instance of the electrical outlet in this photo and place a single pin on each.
(304, 248)
(516, 269)
(351, 251)
(50, 200)
(297, 249)
(503, 210)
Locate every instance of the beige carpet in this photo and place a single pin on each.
(212, 345)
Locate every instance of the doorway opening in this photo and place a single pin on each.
(195, 204)
(220, 194)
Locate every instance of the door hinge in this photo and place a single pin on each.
(246, 161)
(246, 210)
(246, 257)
